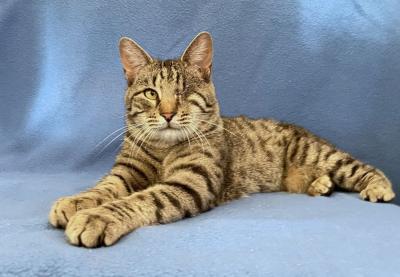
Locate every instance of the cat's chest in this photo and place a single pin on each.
(164, 157)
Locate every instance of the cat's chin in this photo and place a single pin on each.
(170, 135)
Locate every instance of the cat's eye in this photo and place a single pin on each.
(150, 94)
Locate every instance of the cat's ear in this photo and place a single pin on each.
(133, 58)
(199, 53)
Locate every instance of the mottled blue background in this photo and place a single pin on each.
(330, 66)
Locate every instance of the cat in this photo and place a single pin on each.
(180, 158)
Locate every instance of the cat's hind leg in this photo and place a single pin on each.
(311, 163)
(376, 187)
(355, 176)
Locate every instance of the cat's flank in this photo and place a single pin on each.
(180, 157)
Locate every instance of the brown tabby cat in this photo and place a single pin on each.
(180, 157)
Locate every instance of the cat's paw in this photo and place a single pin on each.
(64, 208)
(321, 186)
(378, 191)
(93, 228)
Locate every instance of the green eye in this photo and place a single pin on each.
(150, 94)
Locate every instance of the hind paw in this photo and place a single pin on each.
(321, 186)
(378, 192)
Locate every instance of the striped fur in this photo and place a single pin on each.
(166, 171)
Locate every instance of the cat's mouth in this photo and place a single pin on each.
(171, 126)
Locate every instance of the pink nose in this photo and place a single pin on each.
(168, 116)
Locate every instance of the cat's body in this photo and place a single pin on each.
(180, 157)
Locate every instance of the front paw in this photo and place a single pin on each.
(378, 192)
(64, 208)
(93, 228)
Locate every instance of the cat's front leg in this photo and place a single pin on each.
(189, 190)
(118, 183)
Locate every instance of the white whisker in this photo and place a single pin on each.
(131, 128)
(197, 134)
(98, 144)
(141, 133)
(101, 151)
(202, 134)
(186, 132)
(150, 132)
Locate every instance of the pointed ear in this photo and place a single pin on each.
(199, 53)
(133, 58)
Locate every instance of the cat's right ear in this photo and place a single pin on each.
(133, 58)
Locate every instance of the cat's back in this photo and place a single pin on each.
(260, 132)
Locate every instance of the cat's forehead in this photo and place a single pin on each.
(162, 73)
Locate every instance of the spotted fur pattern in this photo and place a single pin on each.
(181, 158)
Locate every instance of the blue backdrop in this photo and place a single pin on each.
(330, 66)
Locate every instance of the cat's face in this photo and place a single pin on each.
(171, 100)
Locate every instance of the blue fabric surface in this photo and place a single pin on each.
(330, 66)
(274, 234)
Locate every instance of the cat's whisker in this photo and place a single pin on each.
(150, 132)
(134, 127)
(104, 148)
(197, 134)
(186, 133)
(202, 134)
(132, 135)
(123, 130)
(137, 139)
(143, 137)
(98, 144)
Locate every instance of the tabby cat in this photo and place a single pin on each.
(180, 157)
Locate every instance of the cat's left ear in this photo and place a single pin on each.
(199, 54)
(133, 58)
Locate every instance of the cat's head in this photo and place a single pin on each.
(171, 100)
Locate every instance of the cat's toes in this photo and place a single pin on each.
(93, 228)
(64, 208)
(377, 192)
(321, 186)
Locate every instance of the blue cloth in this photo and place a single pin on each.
(274, 234)
(330, 66)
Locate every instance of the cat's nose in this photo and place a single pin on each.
(168, 116)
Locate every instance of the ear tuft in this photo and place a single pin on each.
(199, 53)
(133, 57)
